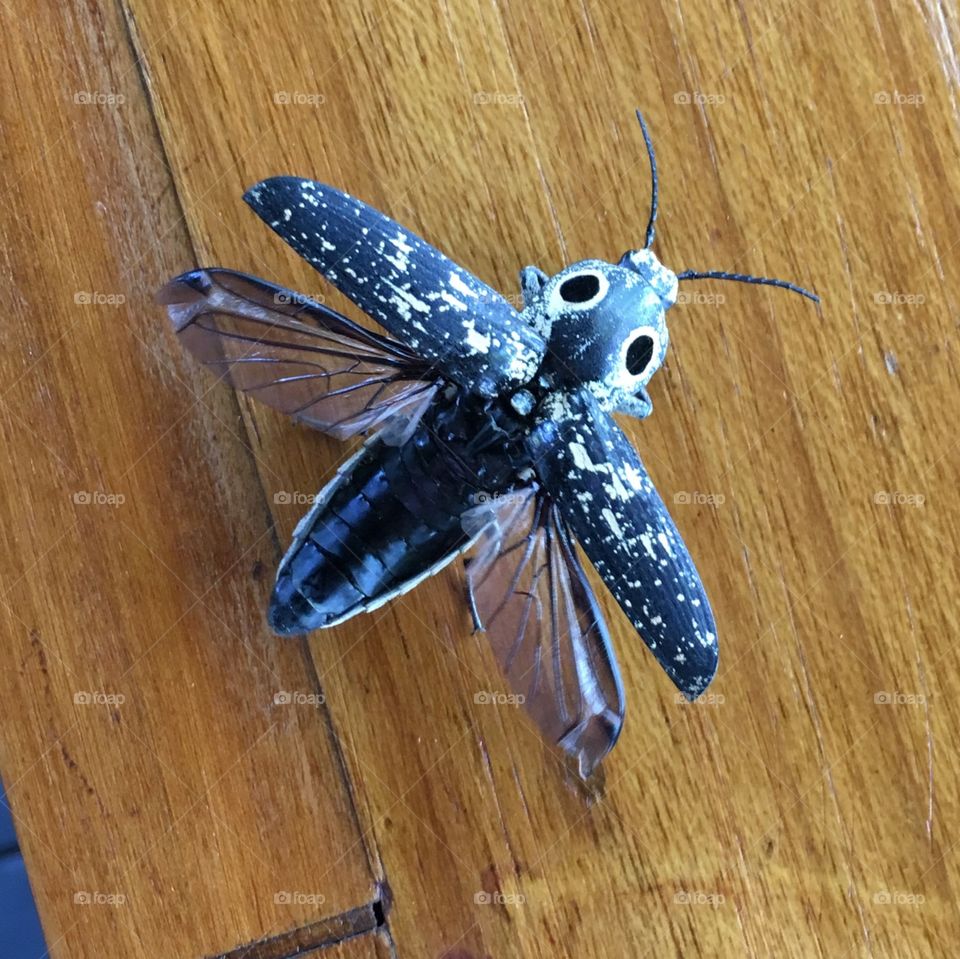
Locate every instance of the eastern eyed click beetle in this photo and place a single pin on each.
(491, 427)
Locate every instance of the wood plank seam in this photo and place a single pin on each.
(322, 932)
(370, 918)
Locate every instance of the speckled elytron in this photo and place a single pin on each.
(492, 428)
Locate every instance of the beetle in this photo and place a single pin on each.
(489, 427)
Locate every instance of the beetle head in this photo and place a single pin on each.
(605, 324)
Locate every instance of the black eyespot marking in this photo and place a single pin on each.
(639, 355)
(580, 288)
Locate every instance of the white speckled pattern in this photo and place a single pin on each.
(622, 524)
(420, 296)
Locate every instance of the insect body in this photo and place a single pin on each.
(491, 428)
(394, 513)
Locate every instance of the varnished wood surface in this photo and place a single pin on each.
(806, 806)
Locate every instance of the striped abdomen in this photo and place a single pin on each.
(389, 518)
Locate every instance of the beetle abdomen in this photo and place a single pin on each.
(388, 519)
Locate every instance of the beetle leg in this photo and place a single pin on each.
(472, 602)
(639, 404)
(532, 279)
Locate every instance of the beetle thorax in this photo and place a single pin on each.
(606, 325)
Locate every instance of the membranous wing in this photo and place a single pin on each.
(529, 593)
(587, 464)
(436, 308)
(298, 356)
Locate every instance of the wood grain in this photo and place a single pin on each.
(807, 805)
(165, 803)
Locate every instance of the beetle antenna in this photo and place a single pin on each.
(747, 278)
(654, 183)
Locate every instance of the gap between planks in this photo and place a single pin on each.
(330, 931)
(370, 917)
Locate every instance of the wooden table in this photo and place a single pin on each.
(167, 803)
